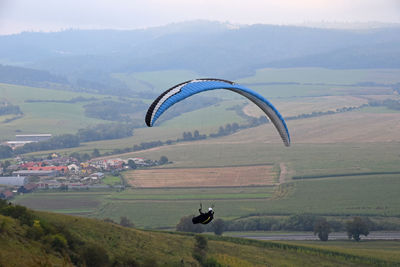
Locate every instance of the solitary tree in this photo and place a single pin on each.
(163, 160)
(124, 221)
(218, 226)
(76, 155)
(5, 165)
(322, 228)
(196, 134)
(95, 153)
(85, 157)
(356, 228)
(185, 225)
(132, 164)
(5, 152)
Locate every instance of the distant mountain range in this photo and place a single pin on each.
(208, 48)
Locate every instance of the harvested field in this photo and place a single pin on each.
(306, 105)
(203, 177)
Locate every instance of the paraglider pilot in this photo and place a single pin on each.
(204, 217)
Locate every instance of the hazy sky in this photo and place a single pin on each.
(54, 15)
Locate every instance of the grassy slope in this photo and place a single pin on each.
(386, 250)
(16, 250)
(160, 248)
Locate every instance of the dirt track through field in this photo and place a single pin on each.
(282, 175)
(203, 177)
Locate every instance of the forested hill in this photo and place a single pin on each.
(208, 48)
(31, 77)
(100, 83)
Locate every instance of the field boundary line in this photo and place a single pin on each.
(204, 167)
(204, 187)
(342, 175)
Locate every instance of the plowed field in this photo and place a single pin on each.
(203, 177)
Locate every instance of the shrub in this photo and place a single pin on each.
(124, 261)
(95, 256)
(2, 226)
(301, 222)
(211, 262)
(200, 249)
(124, 221)
(21, 213)
(163, 160)
(35, 232)
(58, 242)
(218, 226)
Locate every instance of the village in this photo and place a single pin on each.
(64, 173)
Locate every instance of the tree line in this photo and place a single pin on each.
(389, 103)
(186, 137)
(115, 110)
(105, 132)
(96, 133)
(8, 108)
(298, 222)
(70, 101)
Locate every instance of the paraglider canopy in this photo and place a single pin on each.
(189, 88)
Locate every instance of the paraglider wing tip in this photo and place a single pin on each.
(147, 119)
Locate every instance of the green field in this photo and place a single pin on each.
(112, 180)
(358, 196)
(152, 208)
(44, 117)
(148, 208)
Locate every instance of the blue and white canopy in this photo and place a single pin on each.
(189, 88)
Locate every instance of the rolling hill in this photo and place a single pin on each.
(208, 48)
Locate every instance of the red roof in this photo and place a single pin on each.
(49, 168)
(30, 186)
(30, 164)
(8, 194)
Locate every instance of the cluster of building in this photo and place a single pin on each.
(62, 173)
